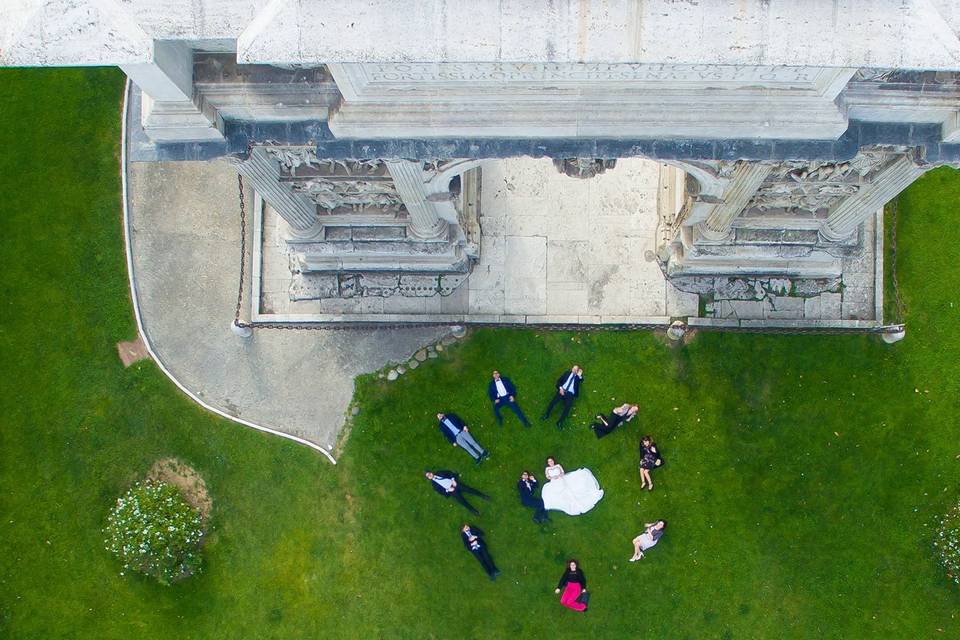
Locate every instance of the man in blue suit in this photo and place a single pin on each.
(503, 394)
(568, 388)
(458, 434)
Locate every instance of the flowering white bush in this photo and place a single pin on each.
(153, 530)
(947, 542)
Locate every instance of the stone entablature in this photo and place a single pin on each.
(351, 119)
(384, 100)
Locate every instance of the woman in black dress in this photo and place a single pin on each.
(649, 459)
(604, 426)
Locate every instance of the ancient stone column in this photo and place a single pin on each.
(167, 111)
(746, 180)
(296, 208)
(845, 217)
(425, 221)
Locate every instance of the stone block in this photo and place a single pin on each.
(566, 302)
(681, 303)
(858, 280)
(566, 260)
(857, 303)
(339, 305)
(525, 296)
(337, 233)
(456, 302)
(713, 322)
(786, 308)
(402, 304)
(486, 301)
(553, 319)
(378, 233)
(830, 306)
(493, 248)
(752, 309)
(527, 255)
(371, 305)
(811, 308)
(485, 278)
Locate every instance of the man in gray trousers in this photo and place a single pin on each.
(458, 434)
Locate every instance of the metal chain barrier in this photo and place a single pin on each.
(243, 254)
(345, 326)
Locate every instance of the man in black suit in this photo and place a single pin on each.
(503, 394)
(474, 543)
(568, 388)
(447, 484)
(527, 486)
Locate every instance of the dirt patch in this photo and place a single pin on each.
(131, 352)
(186, 478)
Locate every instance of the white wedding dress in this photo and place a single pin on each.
(573, 493)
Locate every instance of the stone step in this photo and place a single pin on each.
(365, 234)
(447, 263)
(808, 237)
(402, 247)
(814, 264)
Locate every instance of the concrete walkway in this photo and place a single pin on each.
(185, 235)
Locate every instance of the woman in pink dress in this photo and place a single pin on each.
(572, 584)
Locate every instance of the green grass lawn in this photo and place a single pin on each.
(803, 474)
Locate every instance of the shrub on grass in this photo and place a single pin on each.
(947, 542)
(153, 530)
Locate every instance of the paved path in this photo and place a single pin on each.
(186, 241)
(567, 250)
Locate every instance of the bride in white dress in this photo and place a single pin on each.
(573, 493)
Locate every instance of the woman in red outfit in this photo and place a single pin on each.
(572, 584)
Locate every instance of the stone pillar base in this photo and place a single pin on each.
(167, 122)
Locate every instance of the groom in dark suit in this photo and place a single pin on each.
(502, 393)
(568, 388)
(527, 487)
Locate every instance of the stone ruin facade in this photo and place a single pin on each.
(369, 142)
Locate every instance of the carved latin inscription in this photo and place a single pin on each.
(585, 72)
